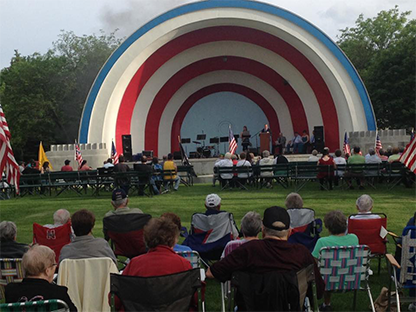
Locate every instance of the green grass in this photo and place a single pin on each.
(399, 204)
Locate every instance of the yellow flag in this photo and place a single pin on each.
(42, 157)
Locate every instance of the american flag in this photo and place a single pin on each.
(232, 143)
(78, 156)
(346, 148)
(378, 145)
(114, 155)
(408, 158)
(8, 163)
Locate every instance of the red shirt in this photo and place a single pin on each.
(67, 168)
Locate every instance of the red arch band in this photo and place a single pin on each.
(213, 64)
(221, 87)
(242, 34)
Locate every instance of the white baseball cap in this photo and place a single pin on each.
(212, 201)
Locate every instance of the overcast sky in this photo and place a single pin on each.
(31, 26)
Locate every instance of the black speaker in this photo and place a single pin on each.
(177, 155)
(319, 138)
(127, 151)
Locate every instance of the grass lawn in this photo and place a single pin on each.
(399, 204)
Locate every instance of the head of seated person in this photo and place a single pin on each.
(39, 262)
(119, 199)
(251, 225)
(266, 154)
(213, 202)
(364, 204)
(294, 200)
(9, 248)
(160, 232)
(8, 231)
(336, 223)
(83, 222)
(276, 223)
(61, 216)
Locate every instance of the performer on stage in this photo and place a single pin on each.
(266, 128)
(245, 138)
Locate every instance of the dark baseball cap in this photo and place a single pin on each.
(276, 214)
(118, 194)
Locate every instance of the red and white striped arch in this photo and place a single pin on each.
(274, 58)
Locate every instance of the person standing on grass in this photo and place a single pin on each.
(336, 223)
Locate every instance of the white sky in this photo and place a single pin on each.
(31, 26)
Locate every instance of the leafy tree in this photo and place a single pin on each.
(43, 95)
(383, 51)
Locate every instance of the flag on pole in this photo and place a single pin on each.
(408, 157)
(232, 143)
(78, 156)
(346, 148)
(42, 156)
(378, 145)
(8, 163)
(114, 155)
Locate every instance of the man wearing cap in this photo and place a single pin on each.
(213, 205)
(67, 167)
(120, 200)
(271, 254)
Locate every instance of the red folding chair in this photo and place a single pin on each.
(55, 238)
(368, 233)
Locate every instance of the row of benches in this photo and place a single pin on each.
(299, 173)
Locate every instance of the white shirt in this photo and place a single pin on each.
(372, 159)
(365, 215)
(243, 163)
(108, 165)
(339, 161)
(225, 163)
(313, 158)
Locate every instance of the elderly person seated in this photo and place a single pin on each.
(60, 217)
(314, 157)
(177, 221)
(39, 267)
(294, 200)
(336, 223)
(371, 157)
(243, 162)
(250, 228)
(364, 205)
(9, 248)
(267, 174)
(226, 162)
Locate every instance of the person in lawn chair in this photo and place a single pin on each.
(364, 205)
(212, 230)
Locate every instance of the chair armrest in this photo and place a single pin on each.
(392, 261)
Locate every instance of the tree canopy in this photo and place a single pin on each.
(383, 50)
(43, 95)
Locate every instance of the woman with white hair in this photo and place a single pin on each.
(39, 267)
(9, 248)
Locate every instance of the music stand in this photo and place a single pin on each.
(186, 141)
(201, 137)
(224, 139)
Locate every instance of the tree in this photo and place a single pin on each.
(383, 51)
(43, 95)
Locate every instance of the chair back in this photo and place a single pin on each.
(88, 282)
(172, 292)
(272, 291)
(344, 268)
(408, 262)
(126, 233)
(40, 305)
(11, 271)
(368, 231)
(210, 233)
(192, 256)
(305, 228)
(300, 218)
(55, 238)
(306, 277)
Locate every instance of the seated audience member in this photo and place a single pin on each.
(170, 166)
(383, 156)
(119, 201)
(157, 178)
(243, 162)
(108, 164)
(39, 267)
(226, 162)
(327, 166)
(336, 223)
(267, 175)
(85, 245)
(84, 166)
(31, 168)
(371, 157)
(294, 200)
(355, 159)
(60, 217)
(21, 166)
(147, 171)
(9, 248)
(177, 221)
(212, 204)
(271, 254)
(160, 235)
(67, 167)
(314, 157)
(250, 228)
(45, 167)
(338, 160)
(364, 206)
(394, 156)
(122, 182)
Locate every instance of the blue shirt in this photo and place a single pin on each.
(178, 247)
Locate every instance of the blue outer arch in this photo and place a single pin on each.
(192, 7)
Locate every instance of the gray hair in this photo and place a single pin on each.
(37, 259)
(371, 151)
(364, 203)
(8, 231)
(276, 233)
(61, 216)
(266, 153)
(120, 202)
(251, 224)
(314, 152)
(294, 200)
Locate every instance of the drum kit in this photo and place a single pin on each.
(202, 150)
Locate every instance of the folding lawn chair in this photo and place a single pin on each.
(305, 228)
(346, 268)
(11, 271)
(41, 305)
